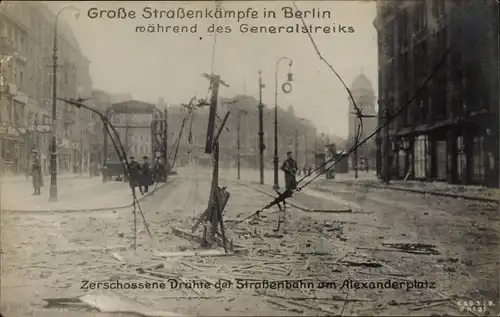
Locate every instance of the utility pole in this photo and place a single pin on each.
(387, 147)
(215, 82)
(276, 159)
(165, 144)
(238, 138)
(53, 150)
(261, 130)
(315, 149)
(81, 153)
(53, 147)
(306, 159)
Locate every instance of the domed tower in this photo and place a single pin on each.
(363, 93)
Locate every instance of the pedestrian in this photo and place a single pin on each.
(147, 178)
(309, 170)
(36, 172)
(134, 169)
(289, 167)
(304, 170)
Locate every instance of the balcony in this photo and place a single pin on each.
(7, 48)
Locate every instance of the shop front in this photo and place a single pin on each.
(63, 156)
(12, 149)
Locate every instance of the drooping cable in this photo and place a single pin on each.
(337, 158)
(122, 155)
(357, 110)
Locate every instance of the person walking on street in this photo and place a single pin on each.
(36, 172)
(135, 174)
(289, 167)
(147, 178)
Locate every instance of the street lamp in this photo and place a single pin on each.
(241, 111)
(53, 154)
(286, 88)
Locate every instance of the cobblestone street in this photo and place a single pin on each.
(48, 255)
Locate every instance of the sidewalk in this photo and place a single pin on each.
(421, 187)
(73, 194)
(370, 179)
(20, 178)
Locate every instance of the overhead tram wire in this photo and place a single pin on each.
(357, 110)
(337, 158)
(120, 151)
(438, 66)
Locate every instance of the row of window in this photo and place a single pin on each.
(481, 159)
(34, 77)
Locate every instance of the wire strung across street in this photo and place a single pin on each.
(337, 158)
(120, 151)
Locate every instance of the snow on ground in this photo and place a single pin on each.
(73, 193)
(43, 255)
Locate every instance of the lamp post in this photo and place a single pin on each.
(261, 130)
(53, 154)
(240, 112)
(286, 88)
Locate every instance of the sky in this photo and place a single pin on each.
(169, 65)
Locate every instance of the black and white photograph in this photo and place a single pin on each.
(250, 158)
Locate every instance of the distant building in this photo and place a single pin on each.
(364, 96)
(294, 134)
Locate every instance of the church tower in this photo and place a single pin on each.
(363, 93)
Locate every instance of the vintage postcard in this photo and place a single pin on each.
(249, 158)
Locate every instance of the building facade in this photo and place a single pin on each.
(364, 96)
(449, 131)
(26, 34)
(294, 134)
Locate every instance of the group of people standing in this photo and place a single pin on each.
(141, 176)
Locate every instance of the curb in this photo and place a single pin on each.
(171, 182)
(422, 191)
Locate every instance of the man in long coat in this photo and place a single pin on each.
(135, 174)
(289, 167)
(36, 172)
(147, 177)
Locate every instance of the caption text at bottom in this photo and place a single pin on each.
(262, 284)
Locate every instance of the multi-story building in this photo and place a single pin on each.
(26, 32)
(449, 131)
(294, 134)
(100, 101)
(364, 96)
